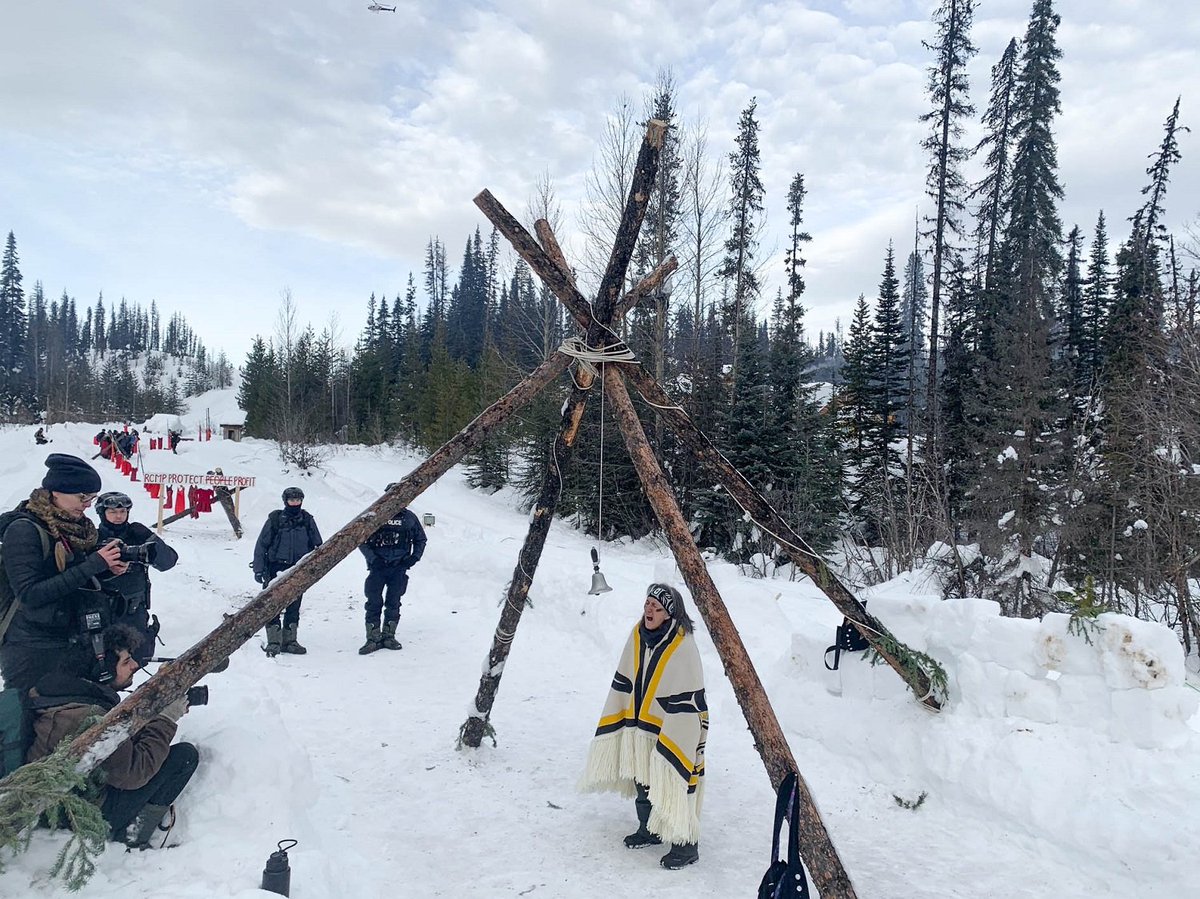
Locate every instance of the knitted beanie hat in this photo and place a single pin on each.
(70, 474)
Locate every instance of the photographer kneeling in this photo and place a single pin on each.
(52, 567)
(146, 773)
(141, 549)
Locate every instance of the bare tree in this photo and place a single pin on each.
(543, 204)
(606, 188)
(703, 221)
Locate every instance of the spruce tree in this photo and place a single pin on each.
(856, 412)
(948, 88)
(745, 207)
(1020, 478)
(992, 190)
(13, 374)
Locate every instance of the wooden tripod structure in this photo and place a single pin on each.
(546, 259)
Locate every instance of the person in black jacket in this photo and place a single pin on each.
(391, 551)
(288, 535)
(113, 509)
(52, 566)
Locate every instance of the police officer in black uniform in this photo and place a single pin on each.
(391, 551)
(113, 509)
(287, 536)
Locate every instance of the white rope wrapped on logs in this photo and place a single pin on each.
(589, 357)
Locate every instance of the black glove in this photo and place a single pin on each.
(260, 578)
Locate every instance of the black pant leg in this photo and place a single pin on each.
(120, 807)
(397, 584)
(373, 589)
(291, 615)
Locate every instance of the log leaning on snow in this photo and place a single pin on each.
(171, 680)
(608, 309)
(816, 847)
(225, 498)
(554, 274)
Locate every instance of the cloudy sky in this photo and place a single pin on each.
(211, 154)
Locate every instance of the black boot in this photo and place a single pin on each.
(680, 856)
(274, 640)
(142, 829)
(289, 641)
(388, 640)
(372, 643)
(642, 836)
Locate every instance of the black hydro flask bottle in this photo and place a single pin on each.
(277, 875)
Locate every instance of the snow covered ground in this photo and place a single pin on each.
(1058, 769)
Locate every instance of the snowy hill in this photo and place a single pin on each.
(1058, 769)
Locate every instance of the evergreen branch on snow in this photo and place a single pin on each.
(52, 791)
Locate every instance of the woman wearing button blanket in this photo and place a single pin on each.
(650, 740)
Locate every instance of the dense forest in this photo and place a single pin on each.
(118, 362)
(1014, 405)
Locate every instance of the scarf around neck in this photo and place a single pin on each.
(79, 533)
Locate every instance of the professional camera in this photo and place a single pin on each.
(141, 553)
(197, 695)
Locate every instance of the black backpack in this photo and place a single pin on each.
(8, 600)
(847, 638)
(785, 878)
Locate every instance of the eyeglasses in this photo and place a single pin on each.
(87, 498)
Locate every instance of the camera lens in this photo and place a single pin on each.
(197, 695)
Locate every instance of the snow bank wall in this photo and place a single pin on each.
(1127, 683)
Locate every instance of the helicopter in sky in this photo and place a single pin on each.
(376, 7)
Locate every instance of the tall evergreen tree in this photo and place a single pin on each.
(1095, 306)
(948, 88)
(993, 189)
(856, 410)
(13, 376)
(745, 207)
(1020, 488)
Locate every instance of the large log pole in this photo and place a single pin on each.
(816, 847)
(554, 274)
(478, 722)
(793, 545)
(171, 680)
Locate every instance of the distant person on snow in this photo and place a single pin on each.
(106, 446)
(113, 509)
(145, 774)
(390, 552)
(287, 536)
(52, 576)
(39, 437)
(125, 444)
(173, 440)
(652, 731)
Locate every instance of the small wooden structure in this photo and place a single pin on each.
(232, 431)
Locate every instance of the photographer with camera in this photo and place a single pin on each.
(142, 549)
(144, 776)
(52, 602)
(287, 536)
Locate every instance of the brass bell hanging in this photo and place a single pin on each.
(599, 584)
